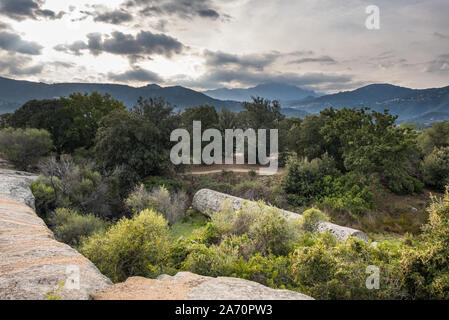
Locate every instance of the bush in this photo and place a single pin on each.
(347, 193)
(436, 168)
(311, 219)
(157, 182)
(70, 227)
(268, 231)
(172, 206)
(426, 266)
(64, 184)
(132, 247)
(24, 147)
(327, 269)
(304, 179)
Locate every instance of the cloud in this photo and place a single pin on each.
(136, 74)
(252, 61)
(243, 78)
(440, 64)
(19, 66)
(440, 35)
(144, 43)
(322, 60)
(13, 43)
(113, 17)
(27, 9)
(183, 9)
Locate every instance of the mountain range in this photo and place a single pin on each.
(414, 105)
(284, 93)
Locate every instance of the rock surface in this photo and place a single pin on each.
(209, 201)
(16, 185)
(33, 263)
(189, 286)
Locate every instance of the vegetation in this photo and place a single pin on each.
(24, 147)
(118, 198)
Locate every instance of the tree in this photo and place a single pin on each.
(261, 114)
(138, 140)
(72, 121)
(206, 114)
(435, 137)
(436, 168)
(24, 147)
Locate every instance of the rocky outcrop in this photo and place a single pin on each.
(16, 185)
(34, 266)
(32, 263)
(209, 201)
(189, 286)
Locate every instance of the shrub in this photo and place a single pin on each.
(24, 147)
(304, 179)
(157, 182)
(327, 269)
(347, 193)
(76, 186)
(426, 266)
(132, 247)
(436, 168)
(172, 206)
(268, 231)
(311, 219)
(70, 227)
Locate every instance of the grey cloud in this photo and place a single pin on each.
(144, 43)
(113, 17)
(13, 43)
(440, 35)
(137, 74)
(440, 64)
(323, 59)
(217, 78)
(18, 66)
(27, 9)
(252, 61)
(183, 9)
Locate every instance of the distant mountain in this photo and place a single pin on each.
(408, 104)
(272, 91)
(15, 93)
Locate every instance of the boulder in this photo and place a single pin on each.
(16, 185)
(189, 286)
(209, 201)
(33, 264)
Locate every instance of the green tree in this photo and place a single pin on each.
(435, 137)
(72, 121)
(435, 168)
(138, 140)
(24, 147)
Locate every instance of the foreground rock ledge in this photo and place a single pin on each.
(210, 201)
(189, 286)
(33, 263)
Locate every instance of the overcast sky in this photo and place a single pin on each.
(317, 44)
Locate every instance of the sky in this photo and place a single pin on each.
(323, 45)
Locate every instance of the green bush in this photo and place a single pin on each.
(436, 168)
(268, 231)
(64, 184)
(425, 266)
(346, 193)
(24, 147)
(70, 227)
(304, 179)
(327, 269)
(132, 247)
(172, 206)
(157, 182)
(311, 219)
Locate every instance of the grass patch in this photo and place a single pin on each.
(191, 222)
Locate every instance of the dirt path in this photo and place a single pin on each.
(212, 169)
